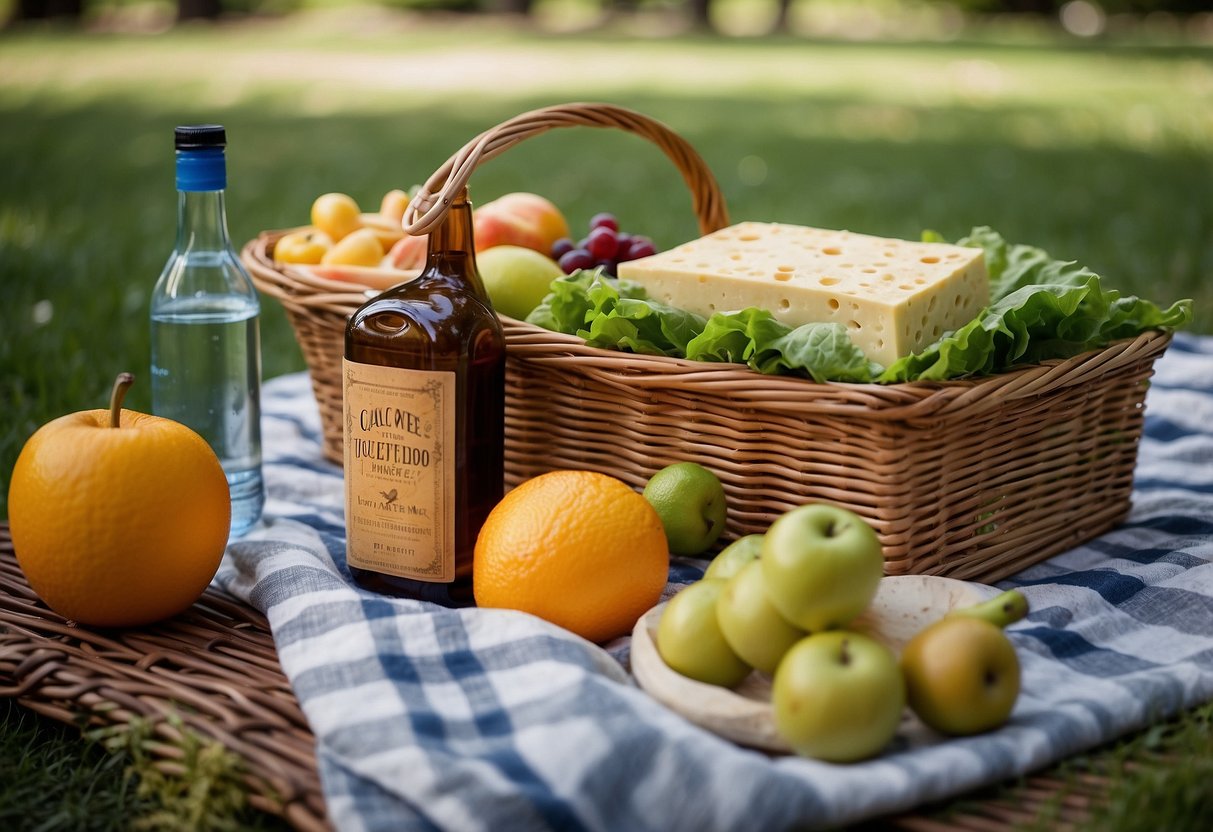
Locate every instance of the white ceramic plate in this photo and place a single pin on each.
(903, 605)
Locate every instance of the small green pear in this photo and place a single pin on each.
(1001, 610)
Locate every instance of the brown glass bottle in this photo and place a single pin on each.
(411, 530)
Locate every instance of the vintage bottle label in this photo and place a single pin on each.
(400, 471)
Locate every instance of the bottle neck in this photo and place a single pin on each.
(451, 248)
(201, 221)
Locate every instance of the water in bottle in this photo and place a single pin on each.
(206, 354)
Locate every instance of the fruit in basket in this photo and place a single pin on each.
(408, 252)
(577, 548)
(519, 219)
(604, 246)
(388, 232)
(360, 248)
(691, 503)
(393, 205)
(516, 278)
(336, 215)
(823, 565)
(838, 696)
(689, 639)
(961, 673)
(118, 518)
(751, 625)
(306, 247)
(734, 557)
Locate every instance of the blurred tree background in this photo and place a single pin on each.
(1082, 17)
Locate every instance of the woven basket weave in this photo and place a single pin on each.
(975, 479)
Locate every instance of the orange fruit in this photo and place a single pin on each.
(118, 526)
(576, 548)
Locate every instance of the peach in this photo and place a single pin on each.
(408, 252)
(521, 219)
(517, 219)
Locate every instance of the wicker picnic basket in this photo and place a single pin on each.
(975, 478)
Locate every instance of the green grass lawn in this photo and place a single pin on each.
(1100, 153)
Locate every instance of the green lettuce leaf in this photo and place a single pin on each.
(615, 314)
(1040, 308)
(753, 336)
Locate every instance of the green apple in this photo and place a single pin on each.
(750, 623)
(962, 675)
(690, 501)
(822, 566)
(838, 696)
(733, 557)
(516, 278)
(689, 638)
(1001, 610)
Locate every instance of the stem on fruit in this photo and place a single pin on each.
(121, 385)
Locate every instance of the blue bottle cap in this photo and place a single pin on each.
(200, 161)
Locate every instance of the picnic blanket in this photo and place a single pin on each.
(428, 718)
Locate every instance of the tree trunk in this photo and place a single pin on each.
(47, 10)
(198, 9)
(700, 13)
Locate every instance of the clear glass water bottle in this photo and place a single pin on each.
(206, 348)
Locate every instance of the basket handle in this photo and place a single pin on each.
(434, 198)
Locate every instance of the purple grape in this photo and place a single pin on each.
(608, 267)
(575, 259)
(622, 243)
(601, 243)
(604, 220)
(641, 247)
(561, 247)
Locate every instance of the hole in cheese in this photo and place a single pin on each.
(783, 276)
(880, 344)
(888, 278)
(930, 259)
(906, 287)
(785, 304)
(917, 335)
(833, 303)
(748, 238)
(932, 304)
(831, 250)
(828, 281)
(786, 268)
(869, 271)
(853, 324)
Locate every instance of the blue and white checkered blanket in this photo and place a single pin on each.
(427, 718)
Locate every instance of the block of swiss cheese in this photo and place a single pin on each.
(894, 296)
